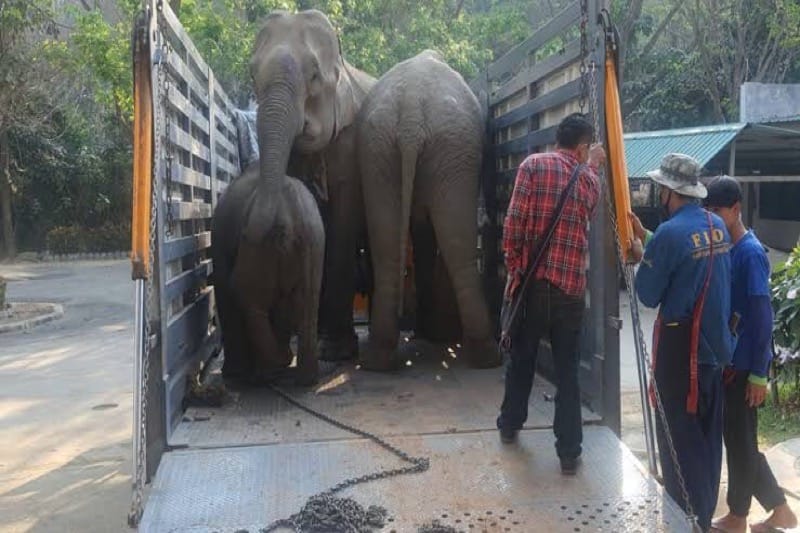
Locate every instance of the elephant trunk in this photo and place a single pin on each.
(279, 122)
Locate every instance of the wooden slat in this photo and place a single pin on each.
(227, 103)
(519, 53)
(525, 143)
(190, 177)
(504, 176)
(221, 186)
(182, 246)
(226, 166)
(181, 104)
(225, 120)
(186, 364)
(180, 32)
(187, 280)
(190, 210)
(180, 138)
(226, 144)
(561, 95)
(183, 328)
(181, 71)
(536, 72)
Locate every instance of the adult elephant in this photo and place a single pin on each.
(420, 140)
(308, 97)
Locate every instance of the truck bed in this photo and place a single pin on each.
(257, 458)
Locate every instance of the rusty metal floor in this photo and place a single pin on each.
(436, 393)
(475, 484)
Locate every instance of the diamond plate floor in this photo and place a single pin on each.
(475, 484)
(437, 393)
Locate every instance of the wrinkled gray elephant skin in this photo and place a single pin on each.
(267, 246)
(308, 97)
(269, 278)
(420, 141)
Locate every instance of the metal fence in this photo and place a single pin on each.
(195, 131)
(526, 93)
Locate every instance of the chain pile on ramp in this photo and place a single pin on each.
(325, 512)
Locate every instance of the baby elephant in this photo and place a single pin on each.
(420, 142)
(268, 245)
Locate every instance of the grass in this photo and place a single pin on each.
(777, 423)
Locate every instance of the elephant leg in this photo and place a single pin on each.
(381, 186)
(234, 336)
(306, 310)
(454, 222)
(283, 325)
(424, 259)
(338, 340)
(446, 320)
(265, 344)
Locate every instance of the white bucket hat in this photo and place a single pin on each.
(680, 173)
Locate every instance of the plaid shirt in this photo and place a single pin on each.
(541, 179)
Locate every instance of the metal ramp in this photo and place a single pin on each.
(475, 484)
(256, 459)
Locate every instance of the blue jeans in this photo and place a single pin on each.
(548, 312)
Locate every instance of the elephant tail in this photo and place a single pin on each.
(408, 168)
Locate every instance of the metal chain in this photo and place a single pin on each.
(150, 317)
(167, 86)
(584, 53)
(325, 512)
(634, 305)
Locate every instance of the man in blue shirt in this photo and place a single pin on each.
(686, 271)
(746, 379)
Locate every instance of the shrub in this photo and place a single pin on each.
(786, 302)
(75, 239)
(2, 293)
(786, 332)
(66, 240)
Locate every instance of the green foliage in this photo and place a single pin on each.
(688, 72)
(108, 237)
(375, 34)
(777, 419)
(100, 55)
(81, 175)
(786, 302)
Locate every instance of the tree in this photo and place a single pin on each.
(24, 92)
(685, 61)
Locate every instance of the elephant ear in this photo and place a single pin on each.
(346, 106)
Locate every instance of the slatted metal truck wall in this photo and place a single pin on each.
(199, 158)
(526, 93)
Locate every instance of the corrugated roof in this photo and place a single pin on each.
(644, 150)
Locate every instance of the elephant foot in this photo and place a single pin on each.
(307, 375)
(235, 372)
(380, 360)
(342, 349)
(482, 353)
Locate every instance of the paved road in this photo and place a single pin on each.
(65, 401)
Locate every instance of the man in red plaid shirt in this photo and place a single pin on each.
(554, 304)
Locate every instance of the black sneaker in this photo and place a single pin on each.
(508, 436)
(569, 466)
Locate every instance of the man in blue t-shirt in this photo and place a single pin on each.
(746, 379)
(686, 272)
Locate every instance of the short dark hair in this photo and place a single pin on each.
(575, 129)
(723, 191)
